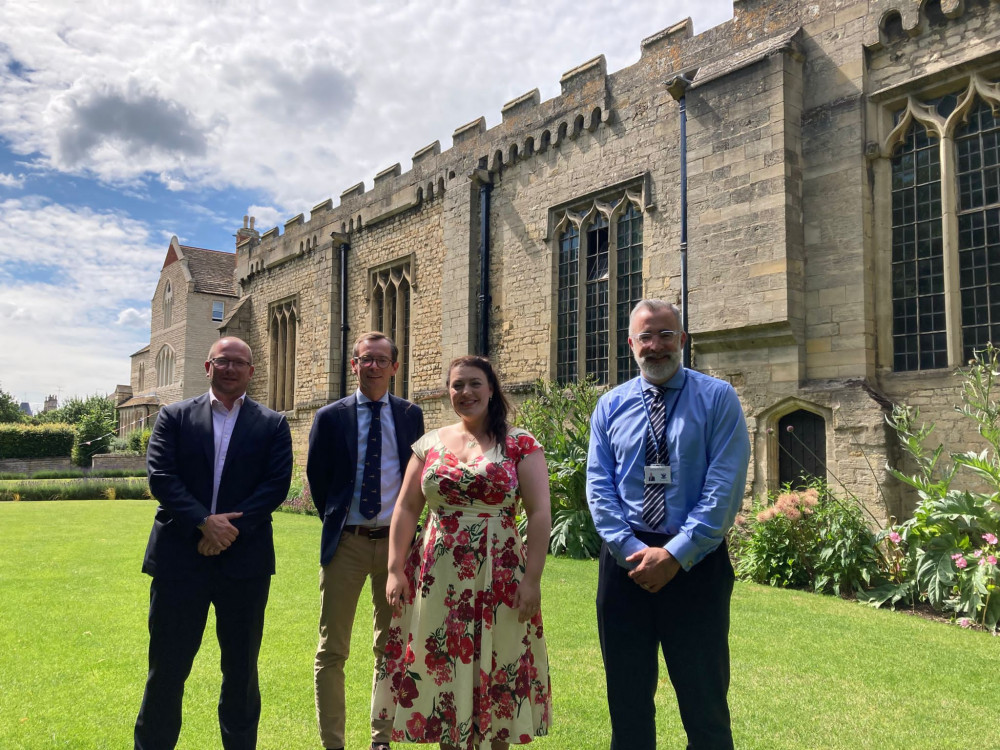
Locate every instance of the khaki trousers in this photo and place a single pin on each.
(340, 585)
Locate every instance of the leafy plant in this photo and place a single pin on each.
(559, 417)
(808, 538)
(946, 553)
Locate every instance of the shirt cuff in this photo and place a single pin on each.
(629, 548)
(682, 549)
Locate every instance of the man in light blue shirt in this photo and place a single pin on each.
(666, 475)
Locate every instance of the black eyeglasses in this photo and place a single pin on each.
(366, 361)
(224, 363)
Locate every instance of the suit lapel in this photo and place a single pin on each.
(240, 439)
(201, 416)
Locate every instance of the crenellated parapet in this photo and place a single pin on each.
(897, 20)
(530, 127)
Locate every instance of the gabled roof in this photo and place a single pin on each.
(141, 351)
(211, 270)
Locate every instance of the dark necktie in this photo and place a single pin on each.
(371, 479)
(654, 508)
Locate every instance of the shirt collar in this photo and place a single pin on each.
(676, 381)
(363, 399)
(215, 400)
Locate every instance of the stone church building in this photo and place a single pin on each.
(833, 196)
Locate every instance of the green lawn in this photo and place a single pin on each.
(808, 671)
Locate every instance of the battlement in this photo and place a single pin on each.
(529, 127)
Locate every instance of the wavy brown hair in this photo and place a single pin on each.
(499, 407)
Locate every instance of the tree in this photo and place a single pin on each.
(93, 435)
(10, 410)
(76, 409)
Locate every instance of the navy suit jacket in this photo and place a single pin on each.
(333, 460)
(255, 481)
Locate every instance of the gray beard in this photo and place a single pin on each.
(659, 371)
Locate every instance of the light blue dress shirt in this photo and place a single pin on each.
(709, 452)
(392, 472)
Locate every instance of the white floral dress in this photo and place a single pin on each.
(459, 668)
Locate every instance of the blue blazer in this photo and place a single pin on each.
(333, 460)
(255, 480)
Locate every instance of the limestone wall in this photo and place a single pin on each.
(788, 286)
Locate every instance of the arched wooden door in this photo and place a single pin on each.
(801, 448)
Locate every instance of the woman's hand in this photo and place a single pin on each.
(397, 591)
(527, 600)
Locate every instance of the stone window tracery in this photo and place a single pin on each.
(945, 246)
(598, 281)
(282, 327)
(164, 366)
(390, 287)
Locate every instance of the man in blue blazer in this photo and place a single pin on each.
(358, 450)
(218, 464)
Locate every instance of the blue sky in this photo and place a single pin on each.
(124, 124)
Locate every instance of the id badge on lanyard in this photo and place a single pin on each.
(659, 472)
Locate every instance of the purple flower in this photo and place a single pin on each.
(990, 538)
(965, 622)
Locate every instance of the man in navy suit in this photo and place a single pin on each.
(219, 464)
(358, 451)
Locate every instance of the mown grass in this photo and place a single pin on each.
(808, 671)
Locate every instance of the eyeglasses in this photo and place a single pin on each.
(366, 361)
(224, 363)
(646, 337)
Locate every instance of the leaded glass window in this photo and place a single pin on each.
(977, 146)
(918, 302)
(599, 280)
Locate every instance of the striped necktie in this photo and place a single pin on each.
(371, 479)
(654, 508)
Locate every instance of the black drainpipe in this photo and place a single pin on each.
(678, 87)
(344, 327)
(485, 189)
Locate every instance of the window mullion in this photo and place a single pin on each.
(581, 305)
(949, 240)
(613, 299)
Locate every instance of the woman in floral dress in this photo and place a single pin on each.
(466, 663)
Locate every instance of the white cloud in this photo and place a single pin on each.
(66, 275)
(11, 181)
(132, 318)
(279, 105)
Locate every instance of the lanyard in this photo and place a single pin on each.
(662, 454)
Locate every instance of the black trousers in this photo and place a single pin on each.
(178, 610)
(688, 620)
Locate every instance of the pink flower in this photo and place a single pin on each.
(894, 537)
(960, 561)
(977, 553)
(991, 560)
(965, 622)
(989, 538)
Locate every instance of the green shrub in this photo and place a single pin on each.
(559, 417)
(947, 553)
(93, 435)
(138, 440)
(36, 441)
(808, 538)
(81, 473)
(4, 475)
(78, 489)
(299, 498)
